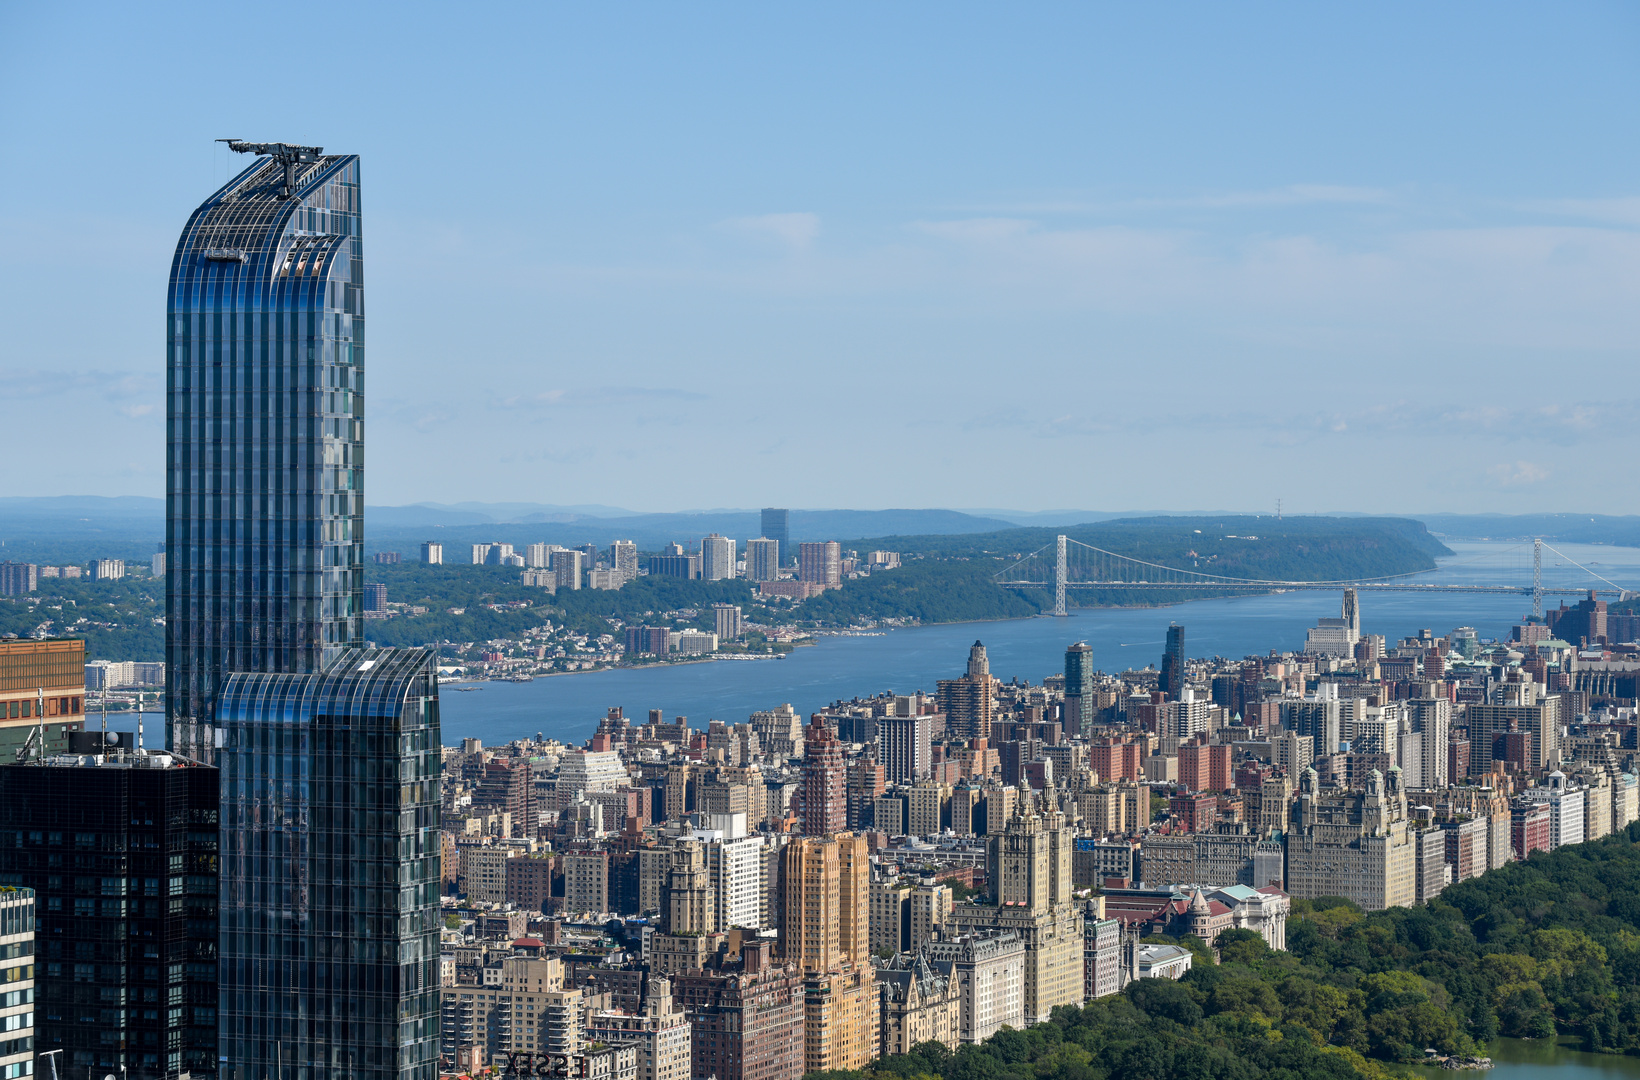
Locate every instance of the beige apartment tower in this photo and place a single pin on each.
(1352, 843)
(826, 933)
(1029, 868)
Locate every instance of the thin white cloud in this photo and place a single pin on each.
(1562, 424)
(796, 231)
(1296, 195)
(1288, 195)
(978, 230)
(110, 385)
(133, 394)
(1623, 210)
(1560, 287)
(1518, 473)
(595, 396)
(430, 421)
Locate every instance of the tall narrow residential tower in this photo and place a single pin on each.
(825, 795)
(776, 524)
(1078, 688)
(265, 431)
(329, 753)
(1172, 678)
(968, 702)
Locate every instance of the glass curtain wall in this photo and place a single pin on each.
(329, 907)
(265, 435)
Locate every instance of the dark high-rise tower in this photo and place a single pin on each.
(265, 437)
(1172, 679)
(121, 847)
(1078, 683)
(777, 526)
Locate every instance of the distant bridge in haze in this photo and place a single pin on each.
(1070, 564)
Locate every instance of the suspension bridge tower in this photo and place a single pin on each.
(1537, 579)
(1059, 581)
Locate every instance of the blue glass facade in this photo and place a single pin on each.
(329, 892)
(265, 435)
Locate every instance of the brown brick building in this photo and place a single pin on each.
(747, 1024)
(32, 671)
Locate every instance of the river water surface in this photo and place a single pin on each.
(568, 707)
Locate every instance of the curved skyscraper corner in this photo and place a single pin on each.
(265, 431)
(328, 753)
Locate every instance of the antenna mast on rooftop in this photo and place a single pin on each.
(287, 154)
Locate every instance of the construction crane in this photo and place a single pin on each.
(287, 154)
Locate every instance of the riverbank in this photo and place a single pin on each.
(711, 658)
(584, 671)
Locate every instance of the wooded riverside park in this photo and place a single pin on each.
(1550, 945)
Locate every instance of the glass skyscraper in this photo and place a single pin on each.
(1079, 676)
(265, 432)
(776, 524)
(328, 753)
(1172, 674)
(329, 893)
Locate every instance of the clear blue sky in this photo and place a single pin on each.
(667, 256)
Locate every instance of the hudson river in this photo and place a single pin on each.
(568, 707)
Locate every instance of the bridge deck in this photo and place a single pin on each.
(1284, 586)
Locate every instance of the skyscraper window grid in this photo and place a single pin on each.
(330, 869)
(265, 452)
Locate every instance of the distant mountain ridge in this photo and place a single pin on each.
(652, 531)
(69, 527)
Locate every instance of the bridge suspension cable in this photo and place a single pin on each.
(1081, 565)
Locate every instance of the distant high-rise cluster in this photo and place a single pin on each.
(796, 882)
